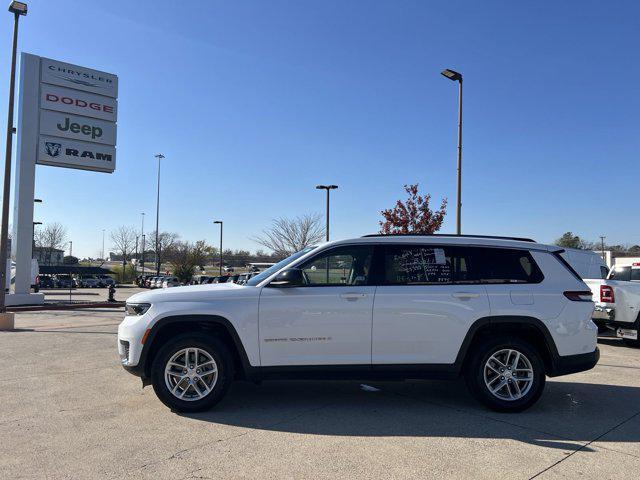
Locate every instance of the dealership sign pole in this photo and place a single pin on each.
(67, 118)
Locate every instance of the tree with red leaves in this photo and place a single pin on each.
(413, 215)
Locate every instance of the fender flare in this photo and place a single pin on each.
(200, 319)
(498, 320)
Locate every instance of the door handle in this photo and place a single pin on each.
(464, 295)
(352, 296)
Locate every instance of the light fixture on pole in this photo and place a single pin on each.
(327, 188)
(220, 222)
(457, 77)
(18, 9)
(159, 156)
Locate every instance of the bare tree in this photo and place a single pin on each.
(124, 241)
(288, 235)
(52, 237)
(166, 240)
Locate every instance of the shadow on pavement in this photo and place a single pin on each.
(567, 417)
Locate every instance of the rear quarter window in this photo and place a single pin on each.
(499, 265)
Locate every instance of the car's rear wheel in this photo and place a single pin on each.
(506, 374)
(191, 373)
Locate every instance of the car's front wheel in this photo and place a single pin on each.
(191, 373)
(505, 374)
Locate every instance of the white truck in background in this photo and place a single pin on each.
(617, 302)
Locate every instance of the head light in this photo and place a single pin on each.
(137, 308)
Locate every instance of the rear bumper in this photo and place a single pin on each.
(602, 314)
(565, 365)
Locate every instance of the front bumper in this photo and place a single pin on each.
(565, 365)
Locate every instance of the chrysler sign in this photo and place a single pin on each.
(79, 78)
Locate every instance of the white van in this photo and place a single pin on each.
(587, 263)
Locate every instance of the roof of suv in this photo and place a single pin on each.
(485, 240)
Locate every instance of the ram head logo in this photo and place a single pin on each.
(52, 149)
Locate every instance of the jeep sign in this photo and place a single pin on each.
(67, 153)
(74, 126)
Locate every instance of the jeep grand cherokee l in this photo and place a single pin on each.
(502, 312)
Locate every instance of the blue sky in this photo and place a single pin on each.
(253, 103)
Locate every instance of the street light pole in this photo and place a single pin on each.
(18, 9)
(220, 222)
(142, 235)
(602, 244)
(33, 237)
(103, 259)
(159, 156)
(327, 188)
(455, 76)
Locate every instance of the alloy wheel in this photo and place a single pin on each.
(508, 374)
(190, 374)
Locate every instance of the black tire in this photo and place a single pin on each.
(631, 343)
(474, 374)
(215, 348)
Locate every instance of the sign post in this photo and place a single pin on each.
(66, 118)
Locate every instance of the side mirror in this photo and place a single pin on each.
(291, 277)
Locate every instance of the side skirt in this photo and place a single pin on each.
(356, 372)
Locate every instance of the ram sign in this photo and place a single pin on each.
(77, 113)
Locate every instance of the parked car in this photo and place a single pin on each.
(149, 281)
(105, 280)
(618, 302)
(46, 282)
(242, 278)
(159, 280)
(65, 281)
(232, 278)
(169, 282)
(89, 282)
(502, 312)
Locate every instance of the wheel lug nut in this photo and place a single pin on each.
(501, 378)
(502, 369)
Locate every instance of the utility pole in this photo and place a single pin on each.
(103, 259)
(604, 258)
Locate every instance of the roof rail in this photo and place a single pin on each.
(519, 239)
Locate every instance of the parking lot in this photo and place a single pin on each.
(70, 411)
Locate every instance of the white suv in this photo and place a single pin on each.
(503, 312)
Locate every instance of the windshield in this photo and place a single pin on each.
(253, 281)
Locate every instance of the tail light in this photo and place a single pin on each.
(578, 296)
(606, 294)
